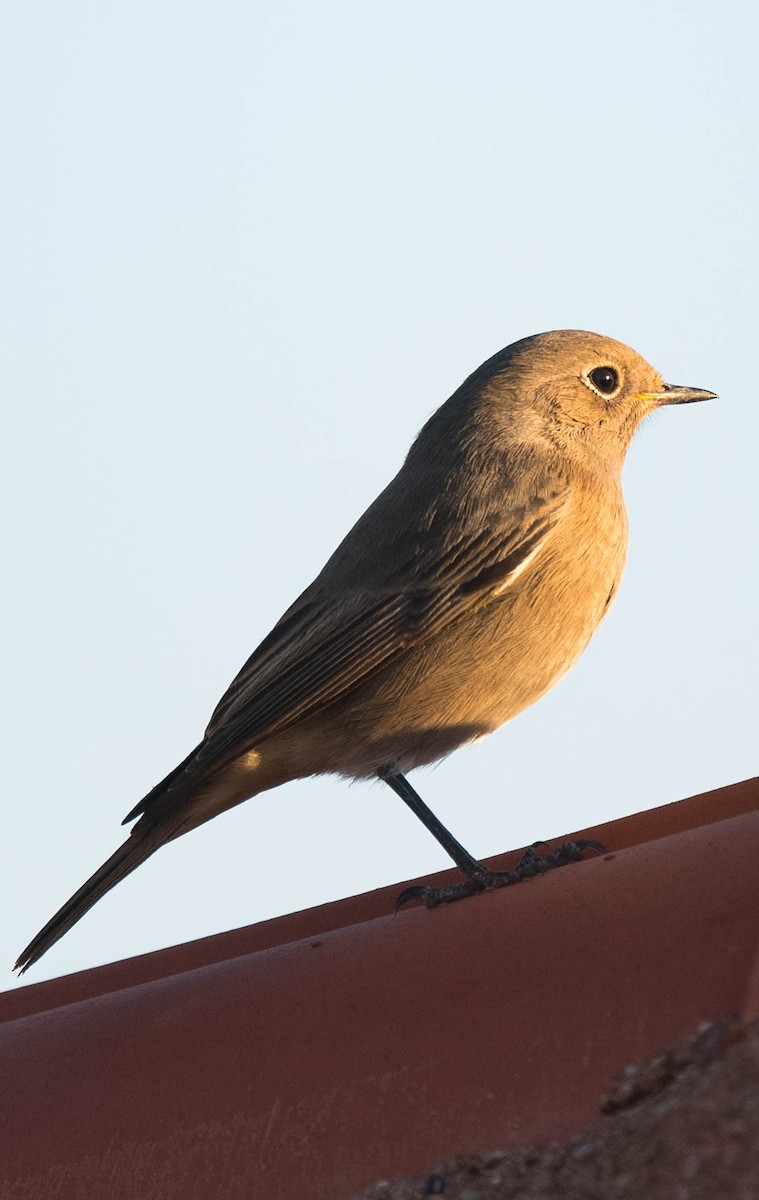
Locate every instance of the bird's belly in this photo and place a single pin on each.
(482, 670)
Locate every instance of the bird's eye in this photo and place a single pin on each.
(604, 379)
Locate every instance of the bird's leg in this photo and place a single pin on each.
(462, 858)
(478, 877)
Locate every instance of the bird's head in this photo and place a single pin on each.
(582, 390)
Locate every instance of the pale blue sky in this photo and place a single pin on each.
(247, 249)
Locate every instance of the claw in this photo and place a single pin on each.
(410, 893)
(530, 864)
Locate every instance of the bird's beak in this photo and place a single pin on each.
(672, 394)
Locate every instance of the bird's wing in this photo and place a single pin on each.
(322, 647)
(331, 639)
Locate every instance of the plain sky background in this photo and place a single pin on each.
(247, 248)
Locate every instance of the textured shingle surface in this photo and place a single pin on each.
(304, 1058)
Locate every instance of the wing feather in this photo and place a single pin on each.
(341, 630)
(335, 645)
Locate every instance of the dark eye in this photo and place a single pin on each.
(604, 379)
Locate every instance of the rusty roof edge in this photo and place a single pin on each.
(650, 825)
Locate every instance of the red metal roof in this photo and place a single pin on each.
(304, 1057)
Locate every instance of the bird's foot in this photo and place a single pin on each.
(531, 863)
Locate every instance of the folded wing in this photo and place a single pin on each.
(326, 644)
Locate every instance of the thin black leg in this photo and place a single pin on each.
(462, 858)
(478, 877)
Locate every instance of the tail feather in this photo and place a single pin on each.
(129, 856)
(161, 788)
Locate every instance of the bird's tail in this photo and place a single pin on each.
(139, 846)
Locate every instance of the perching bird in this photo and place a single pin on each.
(464, 592)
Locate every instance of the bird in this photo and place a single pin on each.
(462, 595)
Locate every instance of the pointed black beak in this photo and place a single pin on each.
(672, 394)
